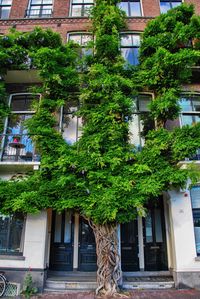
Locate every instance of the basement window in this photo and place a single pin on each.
(11, 234)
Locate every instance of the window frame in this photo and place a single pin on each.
(188, 112)
(129, 47)
(3, 6)
(8, 233)
(129, 8)
(40, 14)
(138, 112)
(19, 112)
(82, 8)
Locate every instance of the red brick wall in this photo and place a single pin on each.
(151, 8)
(18, 8)
(196, 4)
(61, 8)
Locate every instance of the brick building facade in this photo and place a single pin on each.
(170, 232)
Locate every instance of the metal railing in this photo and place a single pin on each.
(17, 148)
(38, 13)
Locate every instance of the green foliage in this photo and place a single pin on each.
(103, 176)
(28, 289)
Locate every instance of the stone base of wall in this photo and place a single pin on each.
(18, 276)
(185, 280)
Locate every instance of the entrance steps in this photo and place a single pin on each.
(84, 281)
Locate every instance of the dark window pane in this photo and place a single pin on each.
(196, 218)
(11, 228)
(22, 103)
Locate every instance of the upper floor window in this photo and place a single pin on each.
(141, 122)
(195, 198)
(70, 123)
(39, 9)
(132, 8)
(11, 234)
(82, 39)
(190, 109)
(81, 8)
(5, 7)
(130, 44)
(165, 5)
(16, 144)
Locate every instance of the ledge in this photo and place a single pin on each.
(12, 257)
(12, 166)
(184, 164)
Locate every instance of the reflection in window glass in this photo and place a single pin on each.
(130, 48)
(165, 5)
(81, 8)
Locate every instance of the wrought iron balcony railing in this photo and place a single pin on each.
(17, 148)
(38, 13)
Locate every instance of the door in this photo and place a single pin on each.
(61, 256)
(129, 246)
(87, 247)
(155, 249)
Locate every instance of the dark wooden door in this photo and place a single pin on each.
(87, 247)
(61, 256)
(129, 246)
(155, 249)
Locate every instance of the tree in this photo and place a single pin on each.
(104, 177)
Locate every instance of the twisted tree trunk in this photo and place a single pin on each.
(108, 259)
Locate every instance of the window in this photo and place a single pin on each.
(11, 234)
(190, 109)
(15, 142)
(81, 8)
(132, 8)
(195, 198)
(82, 39)
(39, 9)
(141, 122)
(189, 115)
(71, 124)
(5, 7)
(165, 5)
(130, 47)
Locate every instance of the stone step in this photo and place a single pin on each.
(70, 285)
(147, 285)
(53, 285)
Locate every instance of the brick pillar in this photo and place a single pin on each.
(18, 9)
(196, 4)
(151, 8)
(61, 8)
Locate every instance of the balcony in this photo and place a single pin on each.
(17, 153)
(38, 13)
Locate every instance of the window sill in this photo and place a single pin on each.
(12, 257)
(197, 258)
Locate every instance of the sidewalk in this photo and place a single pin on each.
(153, 294)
